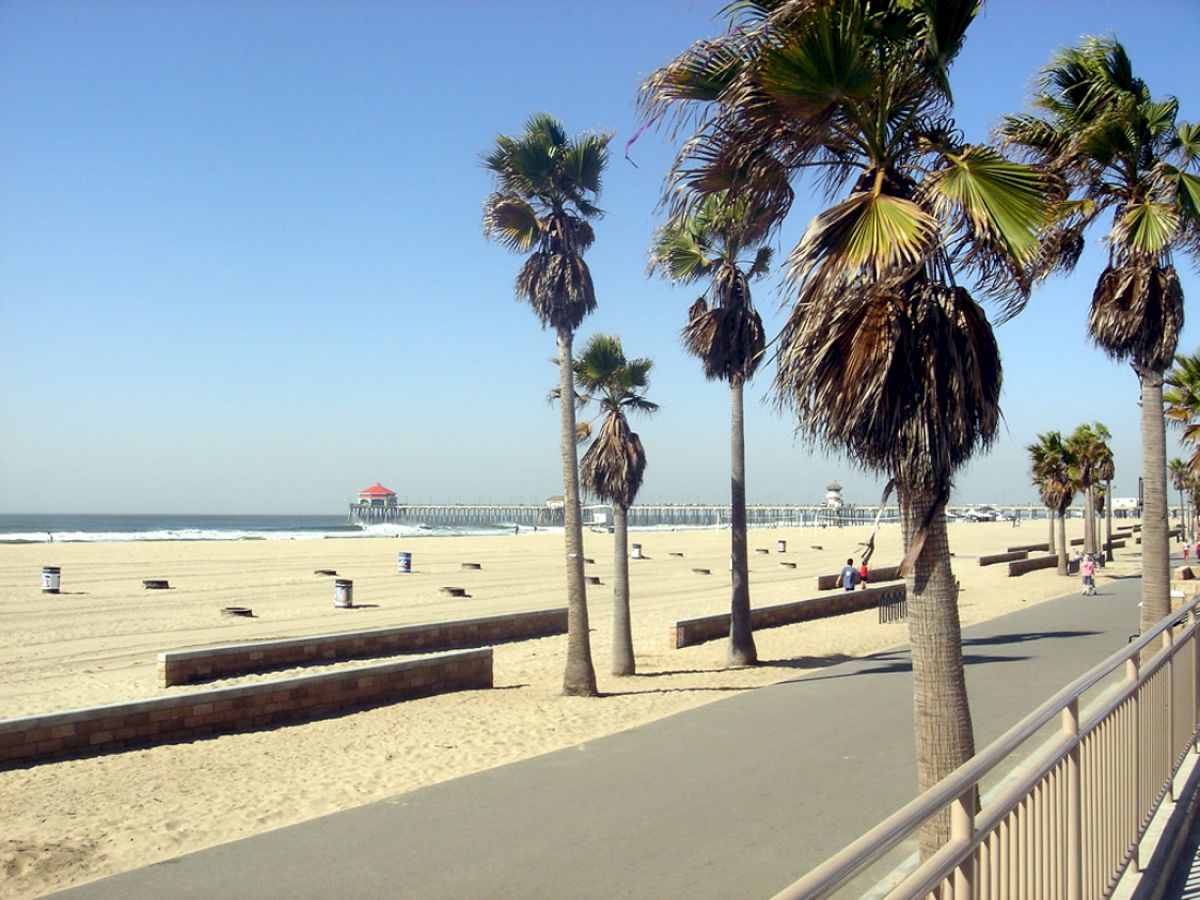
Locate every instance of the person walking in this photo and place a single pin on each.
(862, 575)
(1087, 568)
(849, 575)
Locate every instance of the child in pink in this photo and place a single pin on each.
(1087, 569)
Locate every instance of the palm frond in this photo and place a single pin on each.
(870, 234)
(1137, 314)
(511, 222)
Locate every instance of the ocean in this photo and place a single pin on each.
(43, 528)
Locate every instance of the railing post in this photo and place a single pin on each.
(962, 830)
(1168, 641)
(1074, 854)
(1195, 723)
(1131, 675)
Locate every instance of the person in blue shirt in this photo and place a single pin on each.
(849, 575)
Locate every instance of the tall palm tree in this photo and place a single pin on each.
(1181, 476)
(1105, 469)
(1088, 447)
(1121, 153)
(885, 356)
(546, 183)
(1182, 399)
(612, 468)
(725, 331)
(1052, 464)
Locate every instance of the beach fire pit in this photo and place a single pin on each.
(156, 584)
(237, 611)
(324, 571)
(702, 571)
(454, 591)
(472, 566)
(675, 553)
(592, 579)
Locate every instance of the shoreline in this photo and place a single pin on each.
(80, 819)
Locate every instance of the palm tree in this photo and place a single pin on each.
(885, 356)
(1052, 461)
(1181, 476)
(726, 333)
(1105, 469)
(1088, 448)
(1120, 152)
(546, 183)
(613, 466)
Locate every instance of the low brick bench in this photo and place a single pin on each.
(106, 729)
(1043, 547)
(1010, 556)
(883, 573)
(688, 632)
(1021, 566)
(209, 663)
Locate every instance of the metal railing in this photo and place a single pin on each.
(1069, 819)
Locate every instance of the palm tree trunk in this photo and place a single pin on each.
(1089, 535)
(579, 679)
(622, 653)
(1108, 550)
(941, 712)
(1050, 521)
(1156, 550)
(742, 651)
(1062, 543)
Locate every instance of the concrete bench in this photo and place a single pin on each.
(994, 558)
(687, 632)
(209, 663)
(1021, 566)
(883, 573)
(185, 716)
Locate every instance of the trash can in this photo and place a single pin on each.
(343, 593)
(51, 578)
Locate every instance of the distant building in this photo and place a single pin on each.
(377, 495)
(833, 496)
(1125, 504)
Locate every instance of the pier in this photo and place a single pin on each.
(686, 515)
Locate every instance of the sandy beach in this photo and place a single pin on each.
(76, 820)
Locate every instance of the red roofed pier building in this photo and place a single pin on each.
(376, 495)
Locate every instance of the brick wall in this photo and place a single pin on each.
(687, 632)
(105, 729)
(208, 663)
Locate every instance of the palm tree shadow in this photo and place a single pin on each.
(724, 689)
(897, 662)
(1021, 637)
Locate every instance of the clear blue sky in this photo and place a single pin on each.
(242, 267)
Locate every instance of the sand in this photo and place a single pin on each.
(72, 821)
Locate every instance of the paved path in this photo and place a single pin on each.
(734, 799)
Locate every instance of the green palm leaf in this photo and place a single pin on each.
(868, 233)
(1147, 228)
(1003, 201)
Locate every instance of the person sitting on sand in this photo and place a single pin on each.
(849, 575)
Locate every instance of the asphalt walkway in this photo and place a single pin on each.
(733, 799)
